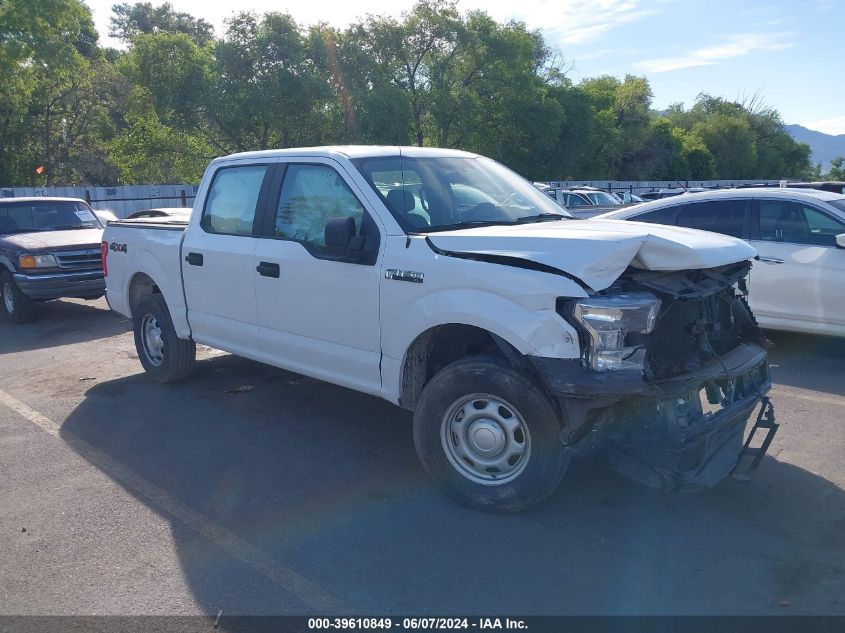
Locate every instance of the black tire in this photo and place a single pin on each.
(23, 308)
(178, 355)
(542, 464)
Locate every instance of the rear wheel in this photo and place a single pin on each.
(15, 306)
(488, 436)
(165, 356)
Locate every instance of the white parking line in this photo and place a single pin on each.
(291, 581)
(806, 394)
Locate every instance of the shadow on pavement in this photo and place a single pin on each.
(807, 361)
(325, 482)
(62, 323)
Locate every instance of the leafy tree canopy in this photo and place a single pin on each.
(179, 94)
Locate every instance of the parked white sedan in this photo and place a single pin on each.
(798, 282)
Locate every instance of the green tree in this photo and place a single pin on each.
(178, 95)
(837, 169)
(372, 107)
(267, 90)
(731, 141)
(621, 110)
(702, 164)
(486, 95)
(130, 20)
(147, 150)
(662, 156)
(410, 50)
(51, 99)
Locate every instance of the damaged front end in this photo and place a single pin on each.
(672, 368)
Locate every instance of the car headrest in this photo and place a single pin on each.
(400, 200)
(7, 224)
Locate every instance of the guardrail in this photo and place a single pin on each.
(641, 186)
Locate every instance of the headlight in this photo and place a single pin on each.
(608, 320)
(37, 261)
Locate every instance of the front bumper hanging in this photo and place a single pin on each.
(685, 433)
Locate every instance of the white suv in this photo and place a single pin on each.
(798, 281)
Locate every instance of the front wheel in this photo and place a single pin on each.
(488, 436)
(15, 305)
(165, 356)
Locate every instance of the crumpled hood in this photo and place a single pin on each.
(54, 240)
(598, 251)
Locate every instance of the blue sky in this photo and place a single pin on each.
(788, 52)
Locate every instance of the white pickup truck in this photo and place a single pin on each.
(445, 283)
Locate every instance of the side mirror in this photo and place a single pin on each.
(840, 240)
(341, 240)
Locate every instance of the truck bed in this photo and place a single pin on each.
(146, 248)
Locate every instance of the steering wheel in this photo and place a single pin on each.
(510, 198)
(486, 211)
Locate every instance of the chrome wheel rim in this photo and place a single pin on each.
(8, 298)
(485, 439)
(152, 341)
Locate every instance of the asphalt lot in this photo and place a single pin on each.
(120, 496)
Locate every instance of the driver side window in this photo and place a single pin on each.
(312, 195)
(796, 223)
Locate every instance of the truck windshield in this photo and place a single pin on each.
(30, 216)
(428, 194)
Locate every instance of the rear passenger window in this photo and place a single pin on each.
(666, 215)
(232, 198)
(311, 196)
(571, 200)
(795, 223)
(719, 216)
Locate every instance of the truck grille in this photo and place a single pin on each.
(690, 333)
(702, 316)
(79, 260)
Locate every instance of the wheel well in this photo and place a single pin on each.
(439, 346)
(141, 287)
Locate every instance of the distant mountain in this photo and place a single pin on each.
(825, 147)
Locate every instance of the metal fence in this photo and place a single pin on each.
(119, 200)
(127, 199)
(641, 186)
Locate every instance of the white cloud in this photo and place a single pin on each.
(833, 125)
(566, 21)
(571, 21)
(733, 46)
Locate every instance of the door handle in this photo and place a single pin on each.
(771, 260)
(267, 269)
(194, 259)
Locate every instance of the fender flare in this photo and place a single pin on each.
(146, 263)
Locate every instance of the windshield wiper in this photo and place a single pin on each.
(464, 224)
(69, 227)
(543, 217)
